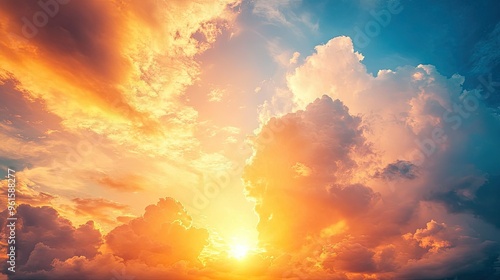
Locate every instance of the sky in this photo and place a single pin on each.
(250, 139)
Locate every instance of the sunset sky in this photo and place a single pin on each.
(251, 139)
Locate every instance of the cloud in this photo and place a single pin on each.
(96, 102)
(431, 115)
(294, 58)
(482, 203)
(26, 191)
(336, 69)
(326, 139)
(162, 243)
(98, 208)
(274, 11)
(449, 252)
(370, 192)
(43, 236)
(335, 219)
(51, 245)
(486, 56)
(130, 183)
(384, 176)
(285, 13)
(301, 169)
(351, 257)
(94, 97)
(216, 95)
(159, 236)
(433, 237)
(132, 66)
(399, 169)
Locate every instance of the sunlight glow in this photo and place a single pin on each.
(239, 251)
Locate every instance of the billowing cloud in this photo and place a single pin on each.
(385, 195)
(159, 236)
(43, 236)
(325, 138)
(161, 243)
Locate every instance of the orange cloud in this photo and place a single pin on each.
(99, 209)
(159, 237)
(128, 184)
(326, 139)
(334, 222)
(106, 84)
(116, 68)
(26, 192)
(161, 243)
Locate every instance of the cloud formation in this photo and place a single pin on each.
(99, 90)
(386, 176)
(128, 64)
(46, 236)
(163, 238)
(159, 237)
(376, 205)
(337, 195)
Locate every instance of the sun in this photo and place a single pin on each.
(239, 251)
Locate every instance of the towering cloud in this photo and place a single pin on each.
(371, 184)
(294, 171)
